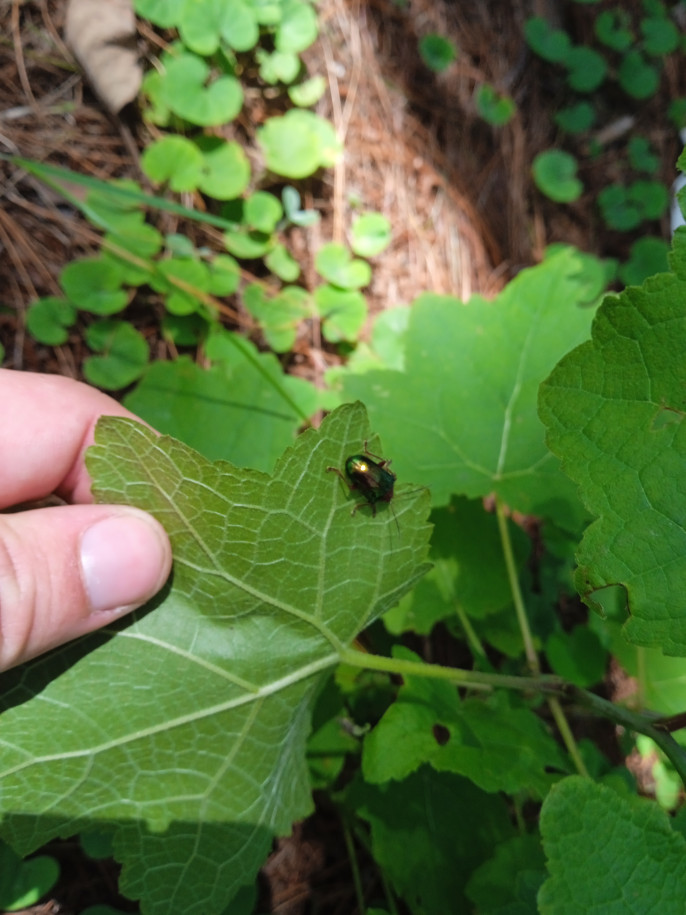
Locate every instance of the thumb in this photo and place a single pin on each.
(68, 570)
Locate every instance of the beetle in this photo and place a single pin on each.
(369, 475)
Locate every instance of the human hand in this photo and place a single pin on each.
(69, 569)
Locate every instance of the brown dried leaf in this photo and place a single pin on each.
(102, 35)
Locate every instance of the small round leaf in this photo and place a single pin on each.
(554, 174)
(371, 234)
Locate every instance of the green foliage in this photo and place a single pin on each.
(414, 840)
(626, 208)
(125, 355)
(498, 744)
(551, 44)
(193, 732)
(554, 173)
(629, 482)
(612, 848)
(241, 409)
(630, 49)
(576, 118)
(49, 319)
(586, 69)
(371, 234)
(491, 358)
(493, 107)
(200, 773)
(22, 883)
(437, 52)
(298, 143)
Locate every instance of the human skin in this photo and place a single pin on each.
(69, 569)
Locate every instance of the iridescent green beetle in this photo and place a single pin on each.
(369, 475)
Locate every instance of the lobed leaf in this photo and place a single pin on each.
(184, 727)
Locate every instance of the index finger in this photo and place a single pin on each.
(46, 424)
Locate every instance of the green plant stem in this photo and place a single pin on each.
(513, 578)
(352, 857)
(529, 647)
(567, 736)
(647, 723)
(472, 638)
(473, 679)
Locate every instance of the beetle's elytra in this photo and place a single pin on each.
(369, 475)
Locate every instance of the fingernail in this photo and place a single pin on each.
(124, 561)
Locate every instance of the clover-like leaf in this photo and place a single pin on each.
(49, 318)
(614, 408)
(554, 173)
(335, 264)
(184, 91)
(94, 284)
(298, 143)
(343, 312)
(125, 354)
(204, 22)
(184, 726)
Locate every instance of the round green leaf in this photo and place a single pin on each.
(225, 169)
(262, 212)
(641, 155)
(163, 13)
(551, 44)
(660, 36)
(494, 108)
(343, 313)
(298, 143)
(94, 285)
(125, 356)
(648, 258)
(278, 66)
(47, 320)
(613, 29)
(193, 276)
(652, 197)
(554, 174)
(204, 22)
(248, 245)
(437, 52)
(371, 234)
(334, 263)
(282, 264)
(617, 208)
(587, 69)
(298, 27)
(225, 275)
(174, 159)
(185, 93)
(637, 78)
(576, 118)
(307, 93)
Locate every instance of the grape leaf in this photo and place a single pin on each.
(615, 854)
(185, 725)
(461, 417)
(496, 742)
(429, 832)
(614, 409)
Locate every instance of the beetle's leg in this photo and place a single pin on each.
(342, 476)
(383, 462)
